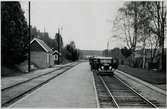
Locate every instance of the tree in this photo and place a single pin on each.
(157, 10)
(152, 43)
(143, 23)
(126, 52)
(34, 32)
(144, 31)
(14, 38)
(126, 24)
(70, 52)
(59, 39)
(105, 52)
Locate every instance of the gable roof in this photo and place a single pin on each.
(101, 57)
(56, 52)
(42, 44)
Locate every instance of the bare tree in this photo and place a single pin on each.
(143, 23)
(126, 24)
(152, 43)
(143, 30)
(158, 12)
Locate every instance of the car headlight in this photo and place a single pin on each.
(102, 67)
(110, 67)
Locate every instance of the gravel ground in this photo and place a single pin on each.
(7, 95)
(156, 78)
(146, 90)
(73, 88)
(163, 86)
(9, 81)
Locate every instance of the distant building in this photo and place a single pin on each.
(41, 54)
(56, 53)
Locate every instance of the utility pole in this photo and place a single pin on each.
(107, 48)
(58, 38)
(29, 65)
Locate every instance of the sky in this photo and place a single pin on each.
(87, 23)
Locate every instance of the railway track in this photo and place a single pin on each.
(13, 93)
(113, 92)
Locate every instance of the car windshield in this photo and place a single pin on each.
(105, 61)
(95, 60)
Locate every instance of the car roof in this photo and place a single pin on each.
(103, 57)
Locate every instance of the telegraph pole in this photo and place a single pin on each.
(107, 48)
(29, 65)
(58, 38)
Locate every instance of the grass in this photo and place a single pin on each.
(7, 72)
(16, 70)
(146, 75)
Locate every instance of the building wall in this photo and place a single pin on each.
(42, 59)
(39, 58)
(51, 59)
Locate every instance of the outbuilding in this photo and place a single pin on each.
(56, 53)
(41, 54)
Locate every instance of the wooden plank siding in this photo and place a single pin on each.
(39, 59)
(41, 55)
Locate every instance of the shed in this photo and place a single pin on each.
(41, 54)
(56, 53)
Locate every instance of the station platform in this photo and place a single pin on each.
(72, 89)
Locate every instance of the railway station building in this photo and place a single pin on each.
(41, 54)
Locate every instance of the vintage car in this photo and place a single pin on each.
(91, 60)
(94, 63)
(107, 65)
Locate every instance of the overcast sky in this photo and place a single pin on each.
(88, 23)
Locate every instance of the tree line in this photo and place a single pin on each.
(15, 38)
(142, 24)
